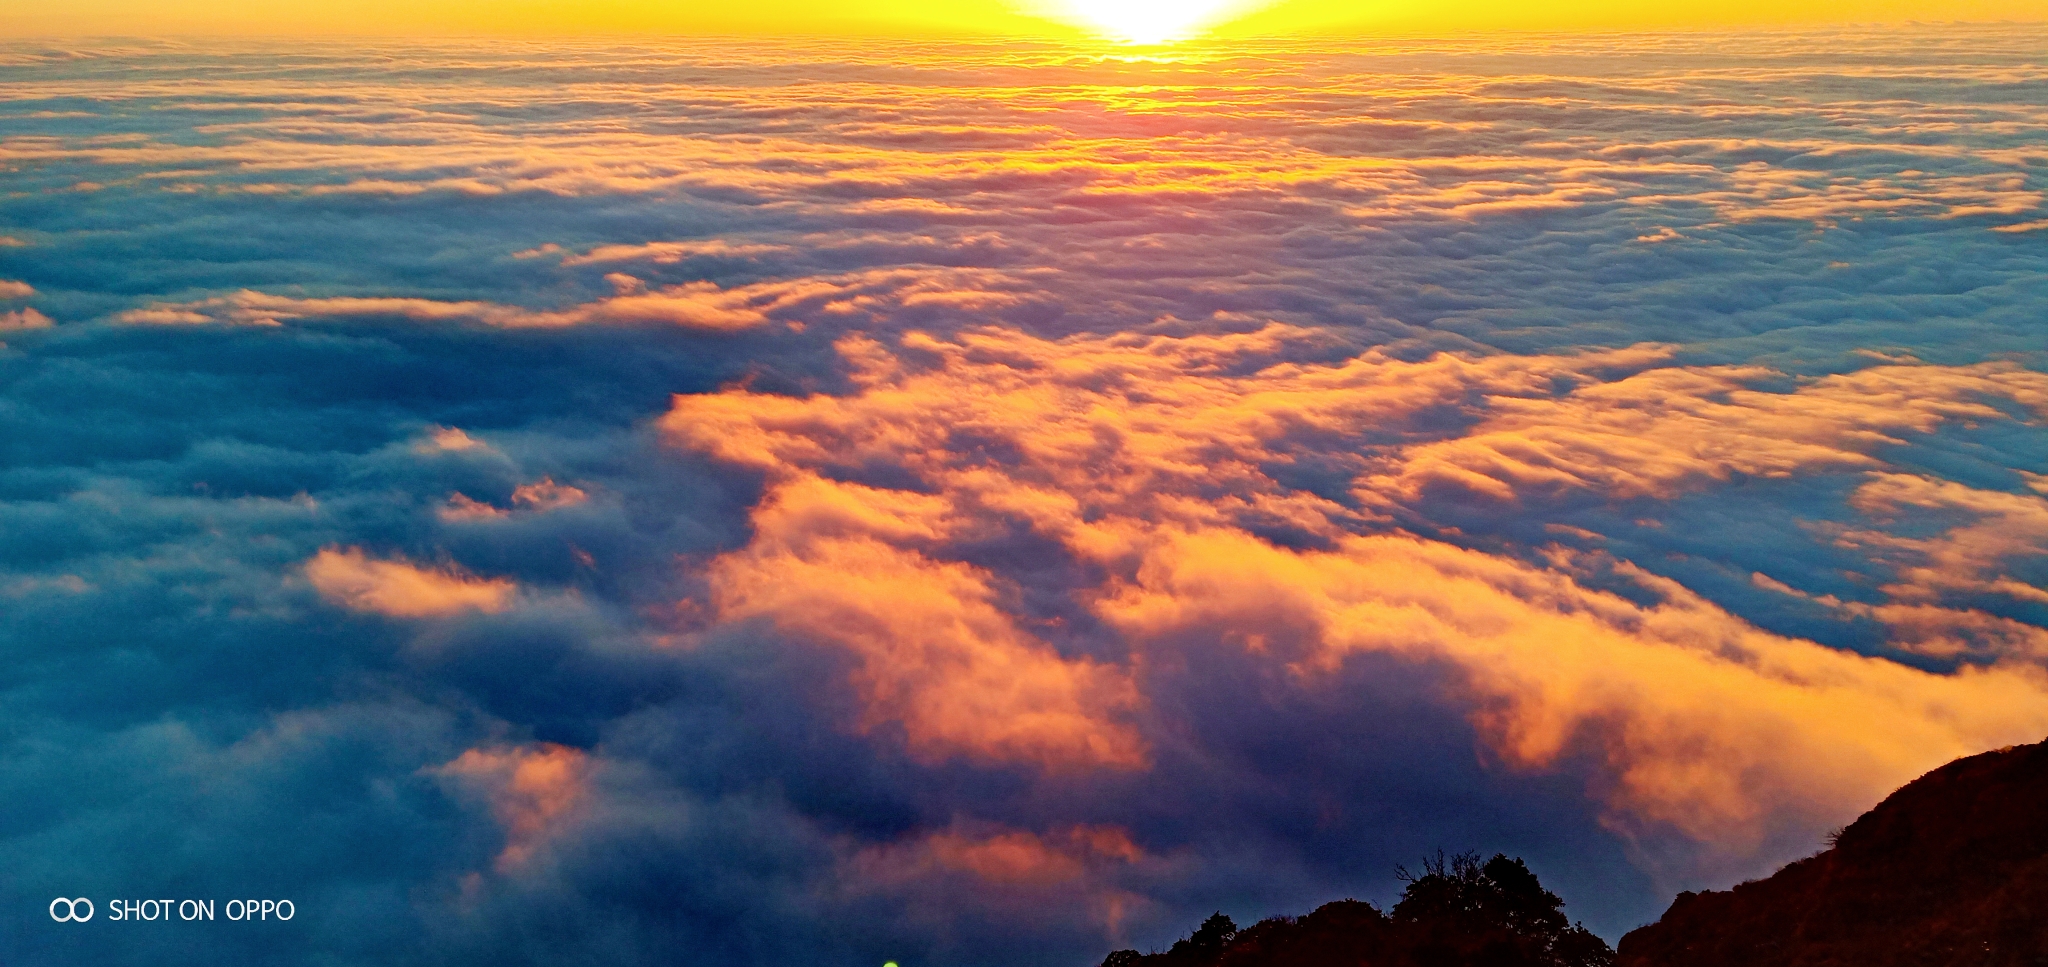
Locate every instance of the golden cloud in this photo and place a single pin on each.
(541, 496)
(1151, 458)
(1665, 430)
(694, 305)
(1002, 856)
(397, 588)
(532, 790)
(22, 319)
(937, 655)
(1008, 872)
(1706, 723)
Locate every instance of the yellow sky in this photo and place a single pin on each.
(572, 17)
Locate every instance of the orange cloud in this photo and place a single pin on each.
(532, 790)
(1106, 430)
(1009, 873)
(1758, 190)
(1001, 857)
(1708, 723)
(1665, 430)
(540, 496)
(849, 564)
(463, 508)
(697, 305)
(1152, 457)
(399, 589)
(937, 656)
(21, 319)
(545, 494)
(172, 316)
(692, 305)
(1937, 577)
(1969, 557)
(448, 439)
(666, 253)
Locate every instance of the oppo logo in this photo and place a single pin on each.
(71, 910)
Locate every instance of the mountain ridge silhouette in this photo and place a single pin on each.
(1950, 869)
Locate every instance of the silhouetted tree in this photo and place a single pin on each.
(1213, 933)
(1495, 914)
(1458, 912)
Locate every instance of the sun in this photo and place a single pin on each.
(1144, 21)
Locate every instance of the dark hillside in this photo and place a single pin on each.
(1952, 869)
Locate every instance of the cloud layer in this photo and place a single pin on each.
(831, 503)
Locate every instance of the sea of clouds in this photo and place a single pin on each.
(991, 503)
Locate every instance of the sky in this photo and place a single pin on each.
(836, 501)
(1142, 20)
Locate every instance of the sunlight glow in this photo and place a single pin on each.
(1144, 21)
